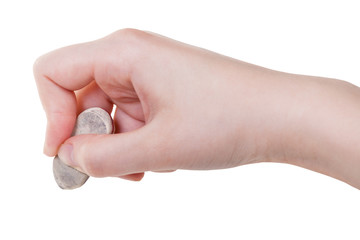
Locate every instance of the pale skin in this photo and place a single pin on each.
(183, 107)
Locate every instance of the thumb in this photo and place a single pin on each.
(114, 154)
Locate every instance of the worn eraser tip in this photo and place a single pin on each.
(91, 121)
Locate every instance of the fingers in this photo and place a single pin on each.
(125, 123)
(92, 96)
(57, 75)
(117, 154)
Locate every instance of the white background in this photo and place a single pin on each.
(262, 201)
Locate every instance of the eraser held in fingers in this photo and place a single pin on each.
(91, 121)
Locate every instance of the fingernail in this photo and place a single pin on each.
(46, 150)
(66, 154)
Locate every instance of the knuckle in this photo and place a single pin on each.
(125, 47)
(129, 34)
(38, 65)
(133, 42)
(41, 65)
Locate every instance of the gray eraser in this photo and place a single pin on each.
(91, 121)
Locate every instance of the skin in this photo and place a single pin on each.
(183, 107)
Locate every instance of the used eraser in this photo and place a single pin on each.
(91, 121)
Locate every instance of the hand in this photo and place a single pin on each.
(177, 107)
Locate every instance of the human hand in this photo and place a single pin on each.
(177, 107)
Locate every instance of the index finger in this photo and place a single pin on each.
(58, 74)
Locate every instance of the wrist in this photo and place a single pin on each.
(324, 128)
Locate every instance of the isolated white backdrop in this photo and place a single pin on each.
(261, 201)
